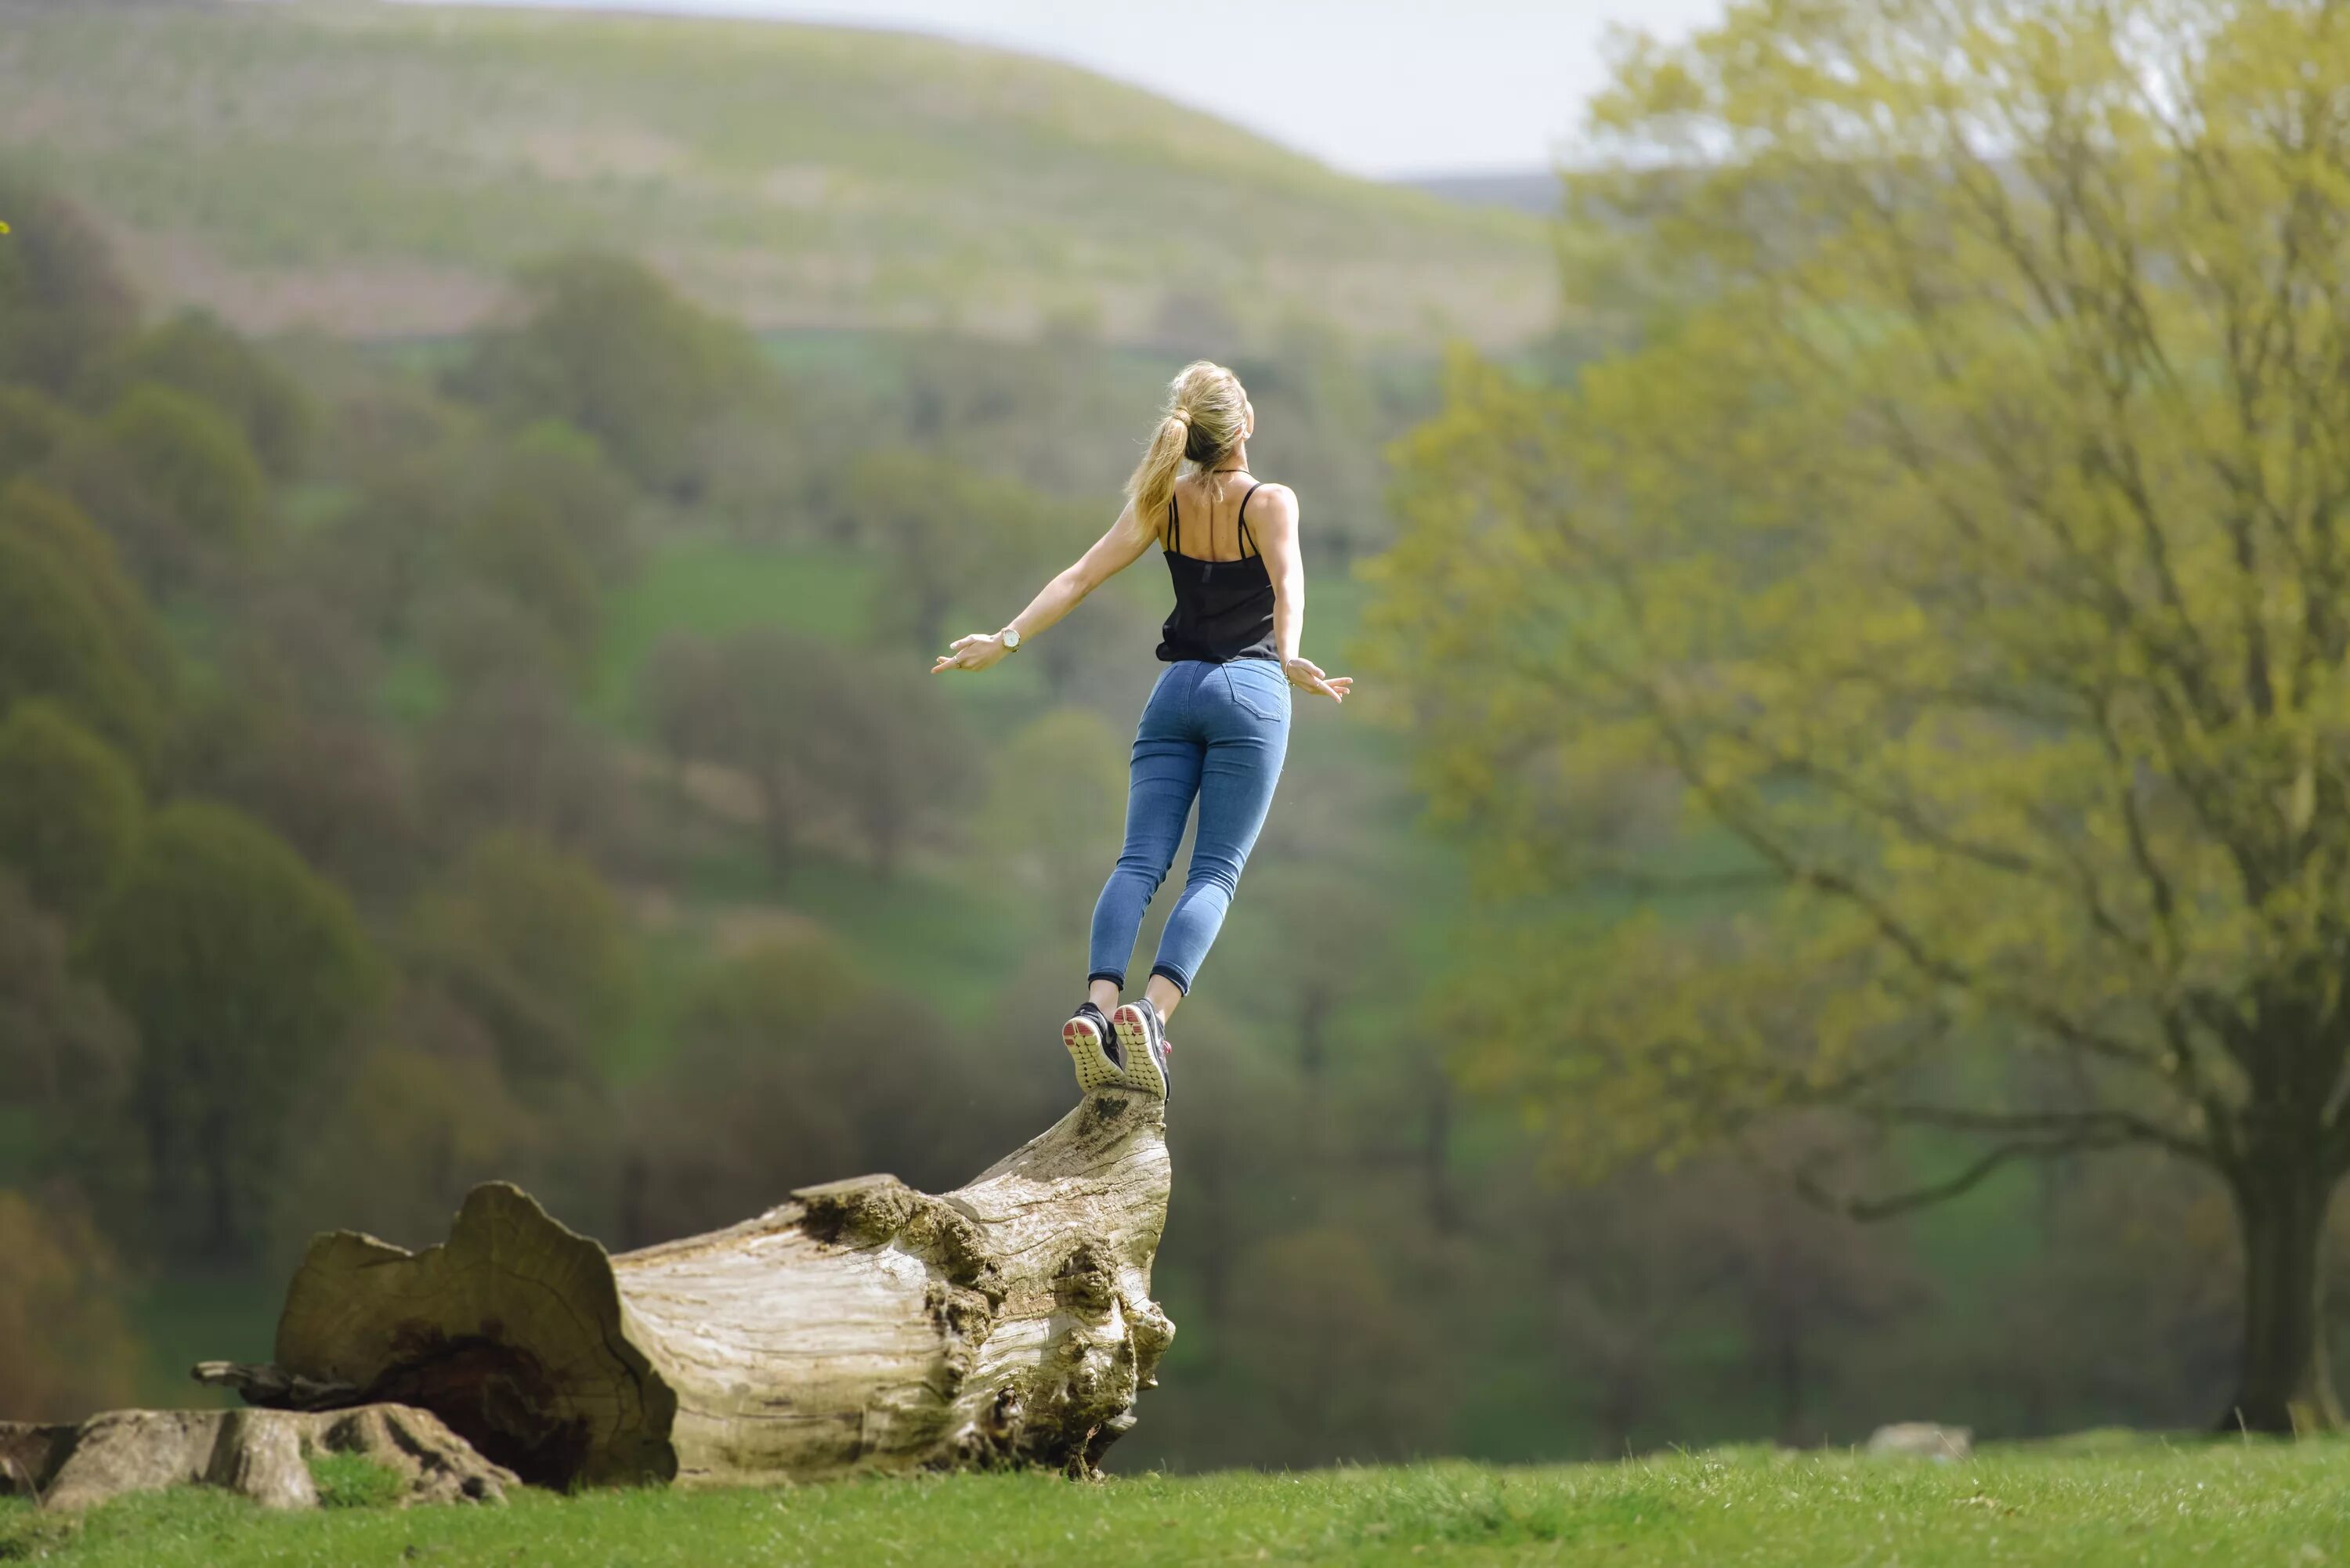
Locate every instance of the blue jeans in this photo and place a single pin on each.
(1217, 732)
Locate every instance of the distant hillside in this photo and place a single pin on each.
(1536, 190)
(375, 169)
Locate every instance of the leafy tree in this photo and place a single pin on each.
(244, 972)
(530, 942)
(34, 428)
(194, 353)
(57, 642)
(69, 808)
(953, 537)
(48, 518)
(65, 1347)
(1054, 812)
(602, 343)
(886, 739)
(62, 303)
(758, 701)
(190, 463)
(1959, 546)
(510, 751)
(790, 1066)
(66, 1053)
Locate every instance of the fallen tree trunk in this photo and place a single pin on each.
(861, 1326)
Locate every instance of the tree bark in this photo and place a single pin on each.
(263, 1454)
(2286, 1381)
(860, 1327)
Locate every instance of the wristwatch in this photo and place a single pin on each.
(1011, 636)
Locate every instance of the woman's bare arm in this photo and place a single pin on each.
(1111, 554)
(1275, 532)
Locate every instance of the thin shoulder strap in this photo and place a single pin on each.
(1174, 527)
(1247, 536)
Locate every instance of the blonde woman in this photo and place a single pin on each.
(1216, 727)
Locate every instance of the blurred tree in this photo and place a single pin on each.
(1313, 940)
(244, 972)
(57, 642)
(1333, 1352)
(790, 1066)
(62, 303)
(529, 940)
(952, 537)
(1320, 432)
(1055, 808)
(604, 344)
(47, 518)
(194, 353)
(759, 700)
(69, 808)
(64, 1052)
(1962, 545)
(510, 751)
(65, 1349)
(887, 739)
(34, 428)
(173, 480)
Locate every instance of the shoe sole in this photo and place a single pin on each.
(1094, 1069)
(1134, 1037)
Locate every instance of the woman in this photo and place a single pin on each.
(1217, 724)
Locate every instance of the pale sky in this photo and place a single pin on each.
(1374, 87)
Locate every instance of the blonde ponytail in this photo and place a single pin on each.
(1206, 417)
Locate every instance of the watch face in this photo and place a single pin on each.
(1010, 637)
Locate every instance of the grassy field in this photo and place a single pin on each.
(2135, 1502)
(376, 168)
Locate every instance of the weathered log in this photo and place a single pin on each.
(863, 1325)
(263, 1454)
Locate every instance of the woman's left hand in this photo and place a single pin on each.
(1306, 676)
(976, 651)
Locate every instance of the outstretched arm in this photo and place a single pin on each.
(1110, 555)
(1276, 536)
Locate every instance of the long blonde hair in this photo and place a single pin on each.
(1206, 417)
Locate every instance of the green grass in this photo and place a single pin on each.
(401, 159)
(2144, 1504)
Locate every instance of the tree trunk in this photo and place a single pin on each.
(860, 1327)
(2286, 1384)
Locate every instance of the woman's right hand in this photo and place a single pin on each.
(976, 651)
(1306, 676)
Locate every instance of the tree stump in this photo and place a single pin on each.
(861, 1326)
(263, 1454)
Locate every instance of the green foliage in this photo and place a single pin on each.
(57, 642)
(353, 1480)
(65, 1349)
(69, 808)
(603, 343)
(1962, 556)
(52, 520)
(62, 303)
(1055, 808)
(34, 428)
(530, 940)
(195, 354)
(244, 972)
(190, 462)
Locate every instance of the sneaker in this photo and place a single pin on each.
(1093, 1047)
(1143, 1043)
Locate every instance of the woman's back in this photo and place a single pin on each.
(1224, 593)
(1208, 520)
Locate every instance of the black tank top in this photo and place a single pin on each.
(1223, 609)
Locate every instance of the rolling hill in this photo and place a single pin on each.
(374, 169)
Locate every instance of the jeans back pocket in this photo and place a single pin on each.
(1265, 694)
